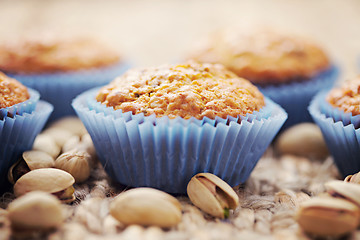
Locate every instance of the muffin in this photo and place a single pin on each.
(157, 127)
(338, 115)
(288, 69)
(22, 116)
(60, 68)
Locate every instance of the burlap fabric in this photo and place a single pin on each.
(268, 202)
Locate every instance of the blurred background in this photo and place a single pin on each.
(161, 31)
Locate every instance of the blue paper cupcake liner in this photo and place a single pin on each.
(24, 107)
(18, 133)
(295, 97)
(165, 153)
(341, 132)
(60, 89)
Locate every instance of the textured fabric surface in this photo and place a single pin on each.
(268, 201)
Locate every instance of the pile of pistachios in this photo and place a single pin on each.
(63, 154)
(334, 213)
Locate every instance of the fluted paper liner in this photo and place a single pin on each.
(295, 97)
(17, 134)
(60, 89)
(24, 107)
(165, 153)
(341, 132)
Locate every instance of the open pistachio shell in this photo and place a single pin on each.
(328, 216)
(30, 160)
(353, 178)
(48, 180)
(146, 206)
(212, 195)
(35, 211)
(38, 159)
(347, 190)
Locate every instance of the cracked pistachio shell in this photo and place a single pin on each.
(46, 143)
(35, 210)
(327, 216)
(212, 195)
(50, 180)
(147, 207)
(353, 178)
(30, 160)
(76, 163)
(347, 190)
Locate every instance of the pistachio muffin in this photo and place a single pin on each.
(157, 127)
(337, 113)
(22, 116)
(287, 68)
(60, 68)
(189, 90)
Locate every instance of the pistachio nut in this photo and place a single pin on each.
(83, 143)
(30, 160)
(76, 163)
(71, 124)
(346, 190)
(303, 139)
(46, 143)
(35, 211)
(212, 195)
(50, 180)
(59, 135)
(146, 206)
(353, 178)
(71, 143)
(328, 216)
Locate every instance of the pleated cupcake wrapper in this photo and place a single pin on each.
(340, 133)
(24, 107)
(18, 133)
(165, 153)
(295, 97)
(60, 89)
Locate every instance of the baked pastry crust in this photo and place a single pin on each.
(46, 54)
(184, 90)
(264, 56)
(346, 97)
(11, 91)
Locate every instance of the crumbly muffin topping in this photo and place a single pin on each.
(346, 97)
(187, 90)
(11, 91)
(264, 56)
(45, 54)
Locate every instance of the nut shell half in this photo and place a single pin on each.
(326, 216)
(48, 180)
(211, 194)
(35, 210)
(146, 206)
(347, 190)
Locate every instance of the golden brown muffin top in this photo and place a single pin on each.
(346, 97)
(264, 56)
(47, 53)
(11, 91)
(185, 90)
